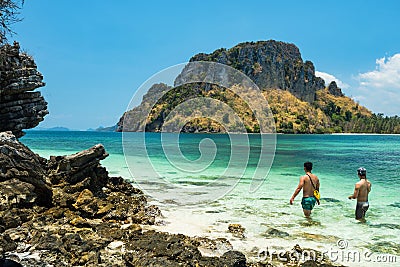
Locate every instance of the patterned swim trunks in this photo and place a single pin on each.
(308, 203)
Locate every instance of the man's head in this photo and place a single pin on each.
(307, 166)
(362, 172)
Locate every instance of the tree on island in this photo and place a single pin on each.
(9, 14)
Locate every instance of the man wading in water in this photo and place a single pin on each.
(361, 191)
(308, 183)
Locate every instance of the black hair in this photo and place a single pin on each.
(362, 171)
(308, 166)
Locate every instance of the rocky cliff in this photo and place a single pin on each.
(334, 90)
(271, 64)
(135, 119)
(299, 100)
(20, 107)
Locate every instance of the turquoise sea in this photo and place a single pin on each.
(230, 167)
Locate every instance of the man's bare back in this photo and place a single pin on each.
(306, 185)
(308, 189)
(364, 187)
(361, 191)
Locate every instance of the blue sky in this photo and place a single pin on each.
(94, 54)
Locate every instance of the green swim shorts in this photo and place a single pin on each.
(308, 203)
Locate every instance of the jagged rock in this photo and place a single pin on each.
(162, 249)
(20, 108)
(270, 64)
(6, 244)
(237, 230)
(71, 175)
(16, 193)
(135, 120)
(234, 259)
(74, 169)
(118, 184)
(213, 246)
(82, 185)
(18, 164)
(333, 89)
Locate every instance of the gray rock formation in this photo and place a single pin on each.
(333, 89)
(20, 107)
(19, 163)
(271, 64)
(135, 119)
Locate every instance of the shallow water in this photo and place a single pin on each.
(230, 174)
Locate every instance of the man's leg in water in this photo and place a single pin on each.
(307, 213)
(307, 204)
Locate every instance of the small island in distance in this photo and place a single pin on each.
(301, 102)
(54, 129)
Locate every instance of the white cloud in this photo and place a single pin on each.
(386, 75)
(379, 89)
(328, 78)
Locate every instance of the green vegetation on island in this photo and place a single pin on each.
(300, 101)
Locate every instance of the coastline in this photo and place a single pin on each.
(245, 214)
(85, 226)
(213, 133)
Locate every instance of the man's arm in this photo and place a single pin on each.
(356, 191)
(298, 189)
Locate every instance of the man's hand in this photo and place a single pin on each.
(291, 201)
(351, 197)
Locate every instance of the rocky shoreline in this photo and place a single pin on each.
(67, 211)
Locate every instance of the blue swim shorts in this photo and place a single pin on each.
(308, 203)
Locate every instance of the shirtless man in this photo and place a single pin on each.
(361, 191)
(308, 201)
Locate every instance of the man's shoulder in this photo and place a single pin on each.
(359, 183)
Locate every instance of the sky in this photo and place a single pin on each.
(95, 54)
